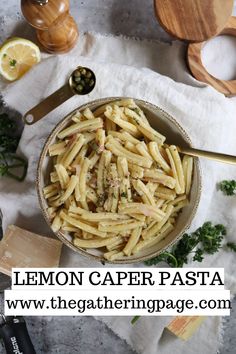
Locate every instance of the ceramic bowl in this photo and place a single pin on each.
(175, 134)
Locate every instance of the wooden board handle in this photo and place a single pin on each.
(227, 87)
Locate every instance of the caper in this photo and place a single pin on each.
(91, 83)
(86, 80)
(77, 79)
(77, 73)
(82, 82)
(83, 71)
(79, 88)
(89, 74)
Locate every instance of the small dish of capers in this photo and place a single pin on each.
(82, 80)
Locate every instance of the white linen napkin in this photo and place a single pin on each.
(126, 67)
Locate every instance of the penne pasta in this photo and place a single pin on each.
(179, 168)
(123, 136)
(115, 117)
(72, 152)
(56, 224)
(159, 177)
(141, 208)
(116, 148)
(147, 131)
(133, 240)
(93, 243)
(113, 255)
(87, 113)
(57, 149)
(123, 173)
(81, 225)
(69, 190)
(188, 171)
(156, 226)
(142, 149)
(144, 192)
(87, 125)
(164, 231)
(63, 175)
(100, 140)
(165, 193)
(119, 227)
(156, 155)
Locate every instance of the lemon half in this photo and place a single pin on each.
(17, 56)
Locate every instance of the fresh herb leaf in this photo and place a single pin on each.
(123, 195)
(6, 124)
(13, 62)
(4, 55)
(8, 143)
(163, 257)
(211, 237)
(228, 187)
(208, 238)
(94, 146)
(183, 248)
(198, 257)
(136, 110)
(232, 246)
(135, 319)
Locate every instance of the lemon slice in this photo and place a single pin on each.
(17, 56)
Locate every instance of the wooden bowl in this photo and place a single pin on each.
(175, 134)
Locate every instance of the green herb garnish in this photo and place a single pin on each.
(228, 187)
(123, 195)
(135, 319)
(13, 62)
(207, 239)
(94, 146)
(136, 110)
(6, 125)
(163, 257)
(232, 246)
(8, 143)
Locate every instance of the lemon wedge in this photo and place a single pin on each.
(17, 56)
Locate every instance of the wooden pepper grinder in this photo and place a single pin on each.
(55, 27)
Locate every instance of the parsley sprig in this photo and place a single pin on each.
(134, 319)
(231, 246)
(207, 239)
(228, 187)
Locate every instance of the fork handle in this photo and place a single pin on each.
(208, 155)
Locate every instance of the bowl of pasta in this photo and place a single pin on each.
(112, 184)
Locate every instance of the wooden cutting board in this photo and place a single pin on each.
(193, 20)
